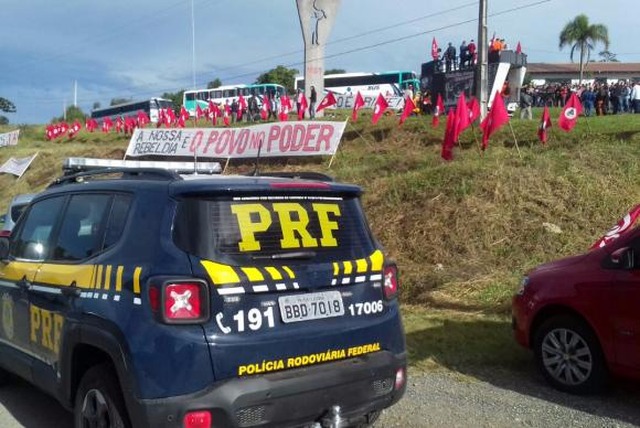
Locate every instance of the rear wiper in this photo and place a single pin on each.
(289, 255)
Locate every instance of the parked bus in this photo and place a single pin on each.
(222, 94)
(391, 83)
(151, 107)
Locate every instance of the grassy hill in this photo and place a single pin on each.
(462, 232)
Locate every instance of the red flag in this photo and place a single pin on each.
(570, 113)
(327, 101)
(302, 100)
(448, 142)
(623, 225)
(49, 132)
(474, 109)
(184, 114)
(545, 123)
(409, 107)
(497, 117)
(143, 119)
(74, 129)
(378, 109)
(264, 111)
(357, 105)
(285, 104)
(242, 103)
(439, 110)
(199, 112)
(107, 124)
(434, 50)
(462, 117)
(226, 116)
(518, 48)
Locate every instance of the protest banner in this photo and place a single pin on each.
(17, 166)
(9, 138)
(278, 139)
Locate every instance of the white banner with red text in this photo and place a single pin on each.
(277, 139)
(9, 138)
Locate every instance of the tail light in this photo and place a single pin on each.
(197, 419)
(184, 302)
(390, 281)
(401, 378)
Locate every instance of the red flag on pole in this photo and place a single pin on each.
(474, 109)
(434, 50)
(448, 142)
(518, 47)
(378, 109)
(264, 111)
(545, 123)
(303, 105)
(439, 110)
(623, 226)
(327, 101)
(462, 117)
(497, 117)
(570, 113)
(409, 107)
(357, 105)
(226, 118)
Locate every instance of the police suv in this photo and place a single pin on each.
(139, 296)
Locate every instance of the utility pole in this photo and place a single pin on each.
(75, 93)
(482, 71)
(193, 46)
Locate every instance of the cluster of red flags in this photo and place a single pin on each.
(60, 129)
(467, 113)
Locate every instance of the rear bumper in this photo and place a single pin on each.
(292, 398)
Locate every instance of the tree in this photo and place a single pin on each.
(116, 101)
(335, 71)
(7, 106)
(581, 36)
(280, 75)
(175, 97)
(608, 56)
(72, 113)
(215, 83)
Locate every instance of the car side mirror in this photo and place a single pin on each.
(4, 247)
(623, 258)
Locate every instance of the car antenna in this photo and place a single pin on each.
(255, 169)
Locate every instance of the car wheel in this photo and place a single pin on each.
(568, 354)
(99, 401)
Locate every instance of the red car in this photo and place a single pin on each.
(581, 315)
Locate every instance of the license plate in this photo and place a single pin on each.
(307, 307)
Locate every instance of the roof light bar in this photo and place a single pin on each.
(72, 165)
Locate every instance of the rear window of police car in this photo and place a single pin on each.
(251, 229)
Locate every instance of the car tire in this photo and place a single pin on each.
(99, 401)
(569, 355)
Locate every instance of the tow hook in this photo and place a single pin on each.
(332, 419)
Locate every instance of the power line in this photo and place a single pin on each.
(367, 47)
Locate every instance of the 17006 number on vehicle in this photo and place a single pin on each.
(306, 307)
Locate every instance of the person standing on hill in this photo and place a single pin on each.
(312, 102)
(526, 101)
(450, 57)
(471, 53)
(635, 97)
(463, 53)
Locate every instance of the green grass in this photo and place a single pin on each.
(462, 232)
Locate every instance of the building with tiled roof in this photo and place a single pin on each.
(592, 71)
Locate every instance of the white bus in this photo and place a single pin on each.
(222, 94)
(389, 84)
(151, 107)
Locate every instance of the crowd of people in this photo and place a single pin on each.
(598, 98)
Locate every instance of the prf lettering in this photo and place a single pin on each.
(46, 328)
(254, 219)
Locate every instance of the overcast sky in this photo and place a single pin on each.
(139, 49)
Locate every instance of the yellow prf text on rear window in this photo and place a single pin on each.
(293, 220)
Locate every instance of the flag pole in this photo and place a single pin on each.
(475, 137)
(226, 164)
(515, 139)
(359, 135)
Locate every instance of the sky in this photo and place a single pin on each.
(143, 48)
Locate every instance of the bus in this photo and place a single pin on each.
(151, 107)
(222, 94)
(390, 83)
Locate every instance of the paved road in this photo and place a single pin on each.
(434, 399)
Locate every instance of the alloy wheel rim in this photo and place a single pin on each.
(566, 356)
(95, 410)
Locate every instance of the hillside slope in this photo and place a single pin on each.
(462, 232)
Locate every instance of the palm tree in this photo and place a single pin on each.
(582, 36)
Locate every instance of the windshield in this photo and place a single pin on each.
(250, 229)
